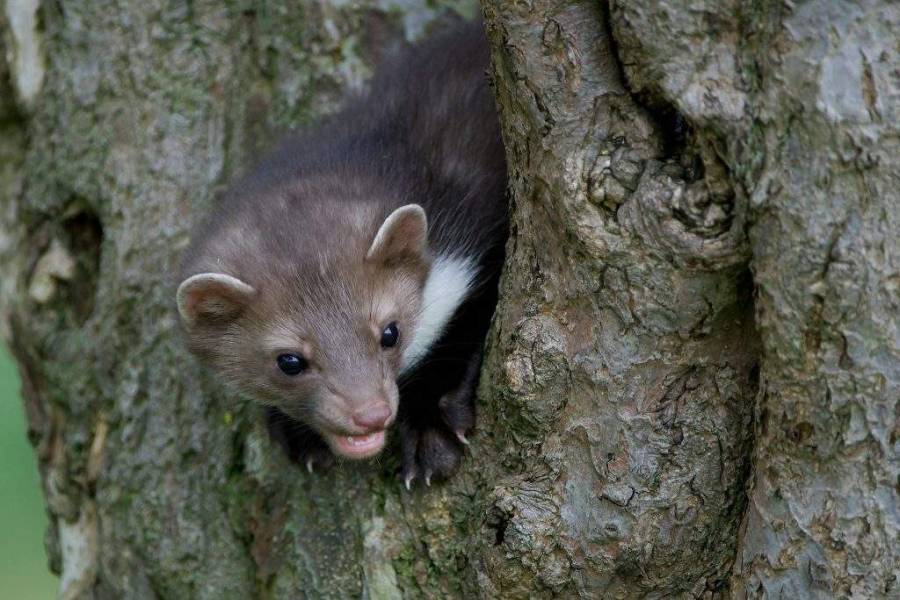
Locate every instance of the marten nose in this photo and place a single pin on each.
(373, 417)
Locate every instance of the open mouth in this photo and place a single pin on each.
(357, 446)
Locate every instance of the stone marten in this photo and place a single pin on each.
(348, 281)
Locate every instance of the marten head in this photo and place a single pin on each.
(321, 333)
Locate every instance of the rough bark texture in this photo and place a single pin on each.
(658, 151)
(824, 518)
(624, 351)
(804, 98)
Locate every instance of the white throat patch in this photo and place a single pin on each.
(447, 286)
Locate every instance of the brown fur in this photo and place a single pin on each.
(335, 323)
(298, 231)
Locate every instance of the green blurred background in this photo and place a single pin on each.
(23, 519)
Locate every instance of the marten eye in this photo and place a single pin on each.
(291, 364)
(390, 335)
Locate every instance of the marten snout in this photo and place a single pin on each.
(373, 417)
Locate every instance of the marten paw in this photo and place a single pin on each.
(316, 460)
(301, 445)
(429, 454)
(458, 413)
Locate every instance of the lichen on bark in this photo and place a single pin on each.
(158, 482)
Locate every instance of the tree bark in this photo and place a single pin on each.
(670, 162)
(803, 99)
(623, 352)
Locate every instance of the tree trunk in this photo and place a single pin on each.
(659, 153)
(623, 355)
(803, 100)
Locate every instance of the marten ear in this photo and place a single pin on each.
(212, 297)
(403, 235)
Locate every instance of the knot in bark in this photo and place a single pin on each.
(693, 224)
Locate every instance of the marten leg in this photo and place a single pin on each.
(458, 406)
(432, 437)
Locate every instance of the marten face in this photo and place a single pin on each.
(326, 343)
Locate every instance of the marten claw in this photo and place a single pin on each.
(428, 478)
(462, 438)
(309, 465)
(409, 475)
